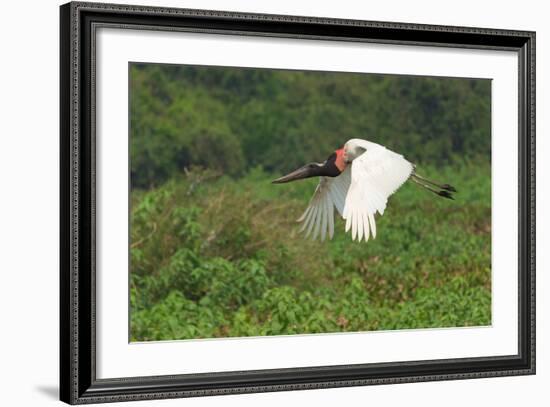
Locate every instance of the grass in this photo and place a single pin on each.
(213, 256)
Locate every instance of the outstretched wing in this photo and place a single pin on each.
(375, 175)
(318, 218)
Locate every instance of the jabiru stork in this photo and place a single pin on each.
(357, 180)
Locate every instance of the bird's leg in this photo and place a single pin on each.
(443, 193)
(429, 188)
(445, 187)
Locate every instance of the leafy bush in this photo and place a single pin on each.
(234, 119)
(214, 257)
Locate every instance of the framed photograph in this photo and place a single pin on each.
(255, 203)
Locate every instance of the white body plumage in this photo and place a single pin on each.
(371, 173)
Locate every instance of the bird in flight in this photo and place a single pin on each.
(357, 180)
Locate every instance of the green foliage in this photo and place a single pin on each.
(213, 256)
(234, 119)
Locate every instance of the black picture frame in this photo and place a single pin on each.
(78, 382)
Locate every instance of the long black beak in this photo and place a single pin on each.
(306, 171)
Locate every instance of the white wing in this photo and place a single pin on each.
(375, 175)
(318, 218)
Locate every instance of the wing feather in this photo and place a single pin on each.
(311, 221)
(365, 225)
(330, 193)
(372, 225)
(309, 218)
(324, 225)
(360, 226)
(301, 218)
(336, 198)
(358, 193)
(309, 210)
(375, 175)
(317, 220)
(330, 220)
(354, 223)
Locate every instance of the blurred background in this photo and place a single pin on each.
(215, 249)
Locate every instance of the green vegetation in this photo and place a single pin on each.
(213, 256)
(234, 119)
(215, 249)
